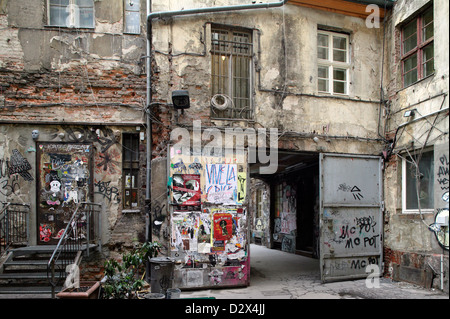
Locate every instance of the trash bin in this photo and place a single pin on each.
(154, 296)
(173, 293)
(161, 270)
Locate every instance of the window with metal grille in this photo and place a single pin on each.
(231, 53)
(71, 13)
(130, 168)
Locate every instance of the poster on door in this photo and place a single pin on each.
(221, 184)
(65, 171)
(186, 189)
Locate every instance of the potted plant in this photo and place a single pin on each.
(87, 290)
(123, 280)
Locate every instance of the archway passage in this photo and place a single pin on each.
(285, 205)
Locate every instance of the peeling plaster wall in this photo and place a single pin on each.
(407, 236)
(286, 94)
(70, 84)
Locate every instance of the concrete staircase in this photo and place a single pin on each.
(23, 273)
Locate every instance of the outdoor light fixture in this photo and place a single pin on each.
(409, 113)
(180, 99)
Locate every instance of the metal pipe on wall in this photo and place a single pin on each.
(168, 14)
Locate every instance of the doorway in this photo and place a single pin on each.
(64, 178)
(327, 207)
(292, 199)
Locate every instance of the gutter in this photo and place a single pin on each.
(169, 14)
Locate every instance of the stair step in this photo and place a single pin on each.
(25, 272)
(28, 290)
(24, 275)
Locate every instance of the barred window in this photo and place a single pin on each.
(231, 53)
(130, 166)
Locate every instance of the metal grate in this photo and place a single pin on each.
(13, 225)
(231, 54)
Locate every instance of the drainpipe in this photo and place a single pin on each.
(148, 199)
(168, 14)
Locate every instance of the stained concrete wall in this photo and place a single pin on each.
(409, 242)
(285, 77)
(69, 84)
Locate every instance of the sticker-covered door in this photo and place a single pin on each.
(64, 179)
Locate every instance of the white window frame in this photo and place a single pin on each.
(404, 172)
(71, 21)
(330, 64)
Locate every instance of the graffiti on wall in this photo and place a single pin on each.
(347, 233)
(440, 226)
(64, 181)
(221, 183)
(10, 170)
(208, 219)
(285, 223)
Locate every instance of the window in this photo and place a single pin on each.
(71, 13)
(418, 48)
(333, 62)
(231, 53)
(132, 17)
(130, 167)
(422, 176)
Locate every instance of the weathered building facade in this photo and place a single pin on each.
(324, 87)
(73, 92)
(416, 175)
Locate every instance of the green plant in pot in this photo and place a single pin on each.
(123, 280)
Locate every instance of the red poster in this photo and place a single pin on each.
(186, 189)
(223, 226)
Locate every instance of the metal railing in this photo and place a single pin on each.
(14, 219)
(82, 233)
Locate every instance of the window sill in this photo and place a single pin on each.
(417, 82)
(64, 27)
(427, 211)
(131, 211)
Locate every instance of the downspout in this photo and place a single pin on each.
(169, 14)
(148, 199)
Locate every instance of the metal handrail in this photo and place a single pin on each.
(71, 242)
(13, 225)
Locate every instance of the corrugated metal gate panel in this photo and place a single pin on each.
(351, 215)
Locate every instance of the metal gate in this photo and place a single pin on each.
(64, 179)
(351, 232)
